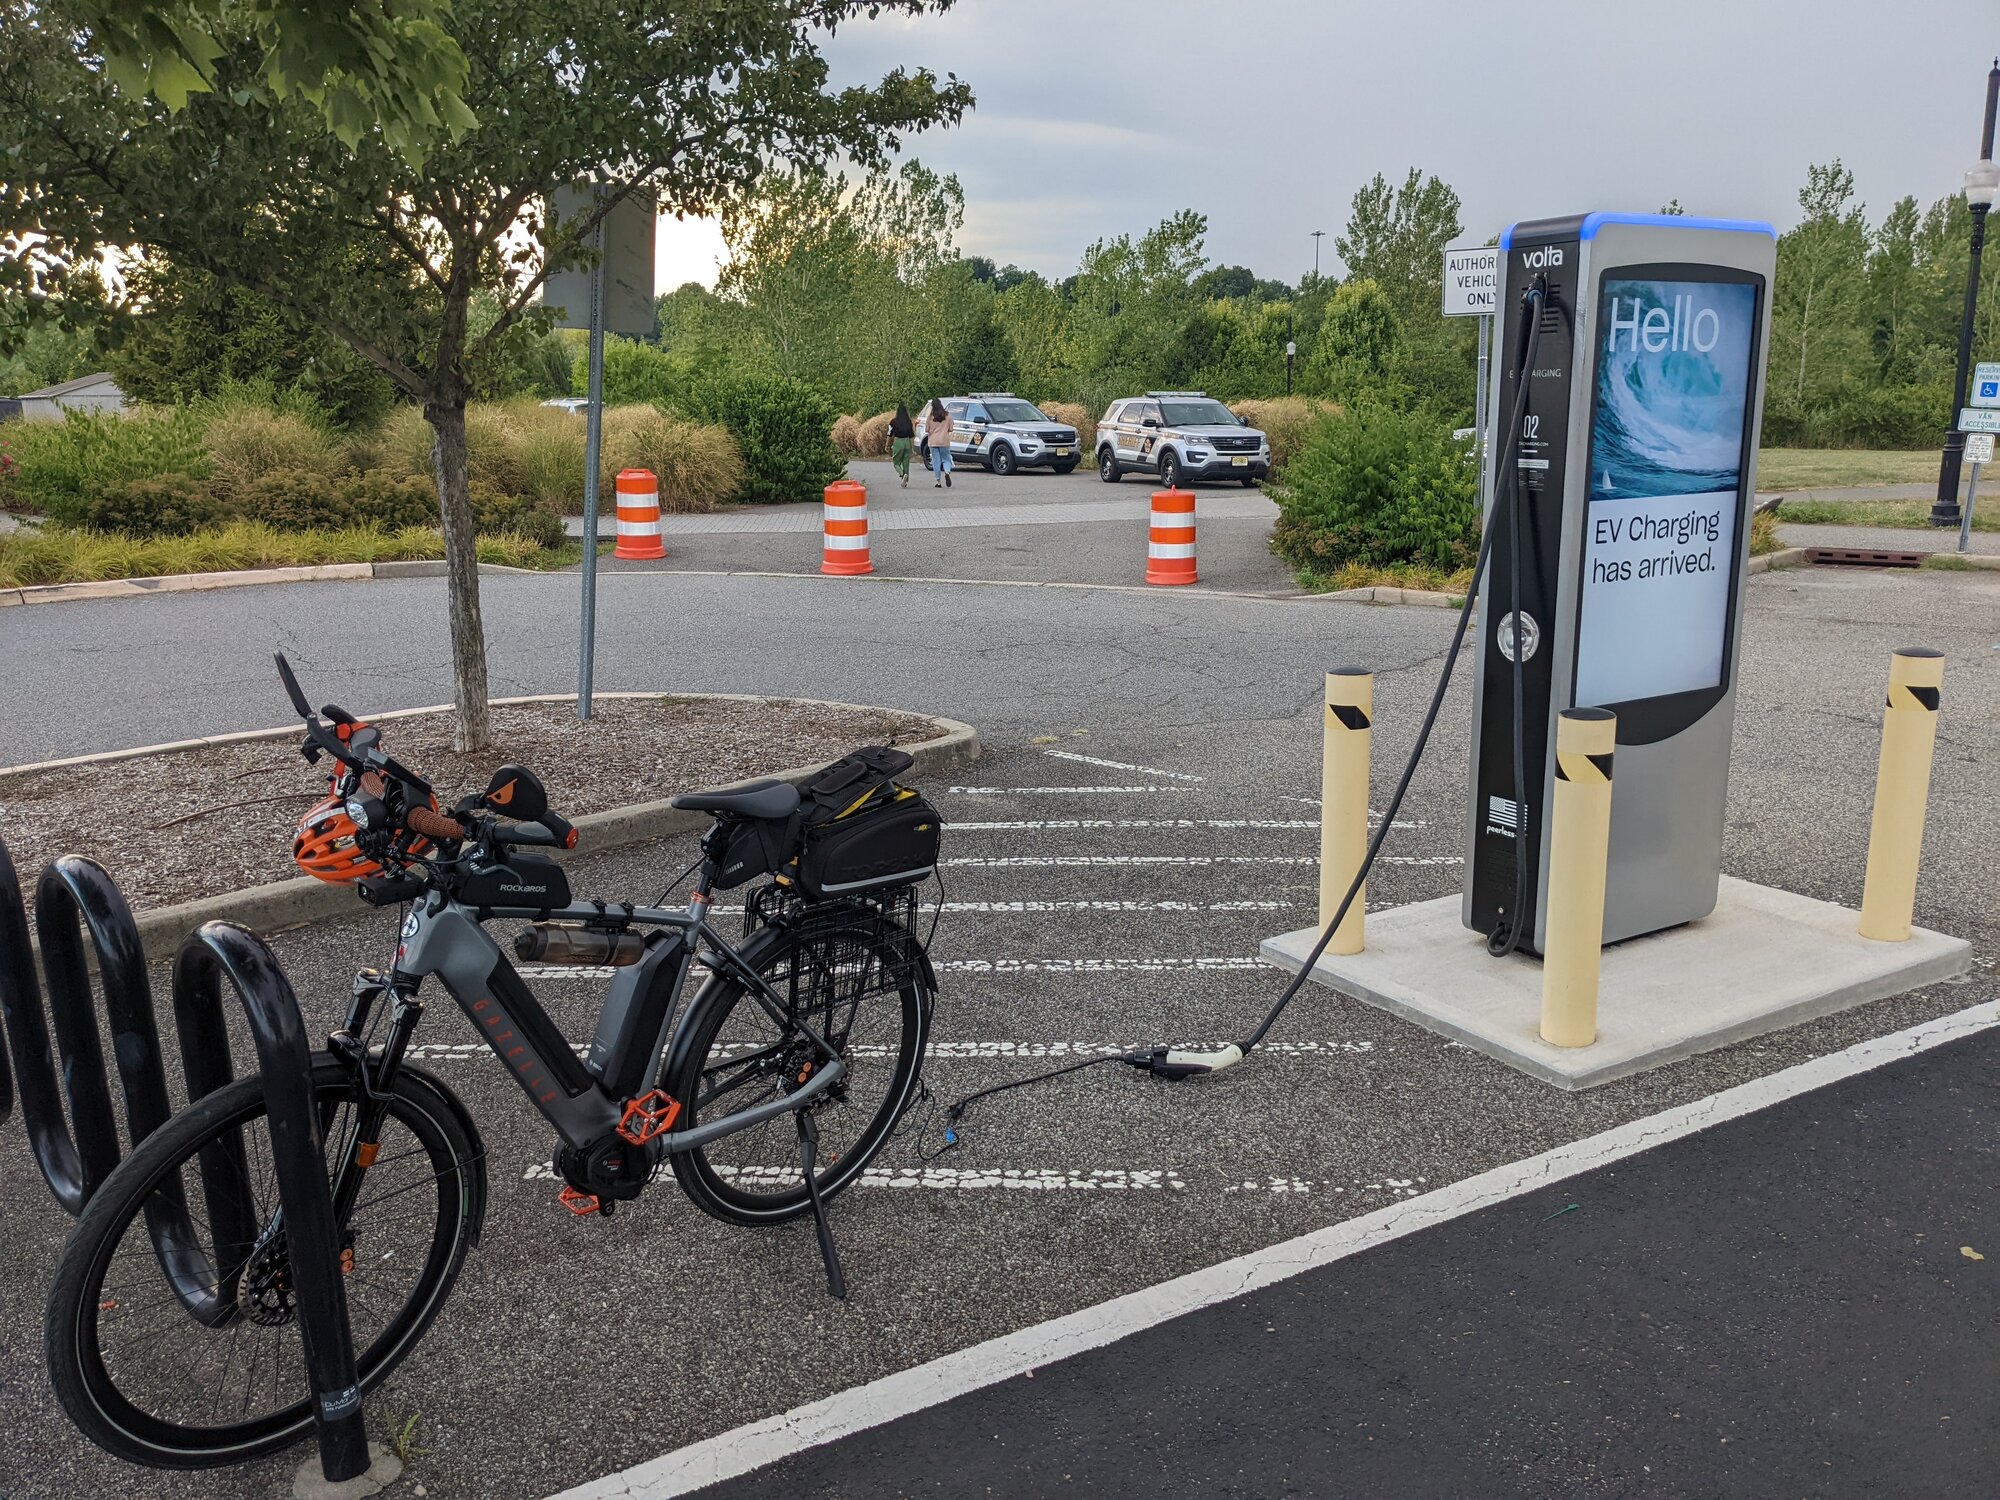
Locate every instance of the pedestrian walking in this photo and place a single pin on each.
(902, 431)
(938, 432)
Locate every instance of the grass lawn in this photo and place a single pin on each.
(1839, 468)
(1909, 513)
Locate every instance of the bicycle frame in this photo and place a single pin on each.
(584, 1101)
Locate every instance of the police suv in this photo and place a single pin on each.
(1005, 433)
(1179, 435)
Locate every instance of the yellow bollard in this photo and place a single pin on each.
(1579, 846)
(1343, 801)
(1902, 788)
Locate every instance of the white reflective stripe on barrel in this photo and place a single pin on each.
(638, 528)
(846, 543)
(1170, 549)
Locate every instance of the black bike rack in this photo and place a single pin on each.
(75, 1157)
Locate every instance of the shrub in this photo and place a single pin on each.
(782, 426)
(872, 439)
(247, 441)
(524, 448)
(1379, 487)
(62, 466)
(635, 371)
(1286, 420)
(1764, 534)
(698, 465)
(847, 435)
(496, 513)
(295, 500)
(170, 505)
(400, 444)
(1075, 415)
(381, 499)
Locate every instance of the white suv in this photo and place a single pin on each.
(1181, 436)
(1007, 434)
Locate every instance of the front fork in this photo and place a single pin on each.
(374, 1069)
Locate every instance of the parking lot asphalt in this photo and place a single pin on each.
(1092, 902)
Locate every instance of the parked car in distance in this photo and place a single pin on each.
(1181, 436)
(1006, 434)
(576, 406)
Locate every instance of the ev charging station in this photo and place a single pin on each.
(1633, 472)
(1622, 421)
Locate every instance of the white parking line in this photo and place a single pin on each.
(1053, 791)
(1119, 765)
(939, 1380)
(965, 1051)
(1099, 965)
(1071, 824)
(1032, 861)
(956, 1179)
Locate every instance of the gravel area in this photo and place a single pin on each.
(194, 823)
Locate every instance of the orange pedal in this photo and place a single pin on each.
(580, 1204)
(649, 1115)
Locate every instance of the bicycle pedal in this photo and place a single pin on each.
(648, 1115)
(581, 1204)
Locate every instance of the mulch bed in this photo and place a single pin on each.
(194, 823)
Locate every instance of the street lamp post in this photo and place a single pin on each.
(1320, 234)
(1982, 185)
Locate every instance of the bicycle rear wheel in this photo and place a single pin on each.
(856, 975)
(158, 1383)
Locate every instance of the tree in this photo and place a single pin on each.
(1130, 299)
(391, 67)
(1396, 238)
(1895, 293)
(251, 185)
(983, 359)
(191, 336)
(1816, 327)
(1357, 345)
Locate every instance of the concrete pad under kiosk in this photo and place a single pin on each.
(1764, 959)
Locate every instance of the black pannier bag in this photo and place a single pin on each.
(860, 832)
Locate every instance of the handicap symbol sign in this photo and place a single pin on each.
(1989, 390)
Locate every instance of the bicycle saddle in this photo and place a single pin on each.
(756, 799)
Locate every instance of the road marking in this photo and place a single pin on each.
(1054, 791)
(1030, 861)
(956, 1179)
(1066, 824)
(961, 1051)
(1005, 907)
(1119, 765)
(1099, 965)
(756, 1444)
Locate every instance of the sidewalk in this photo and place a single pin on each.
(1887, 538)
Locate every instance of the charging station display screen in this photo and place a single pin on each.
(1666, 462)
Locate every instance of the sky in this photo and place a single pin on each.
(1102, 117)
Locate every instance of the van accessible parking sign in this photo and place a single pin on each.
(1985, 385)
(1472, 282)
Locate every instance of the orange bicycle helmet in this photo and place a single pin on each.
(327, 845)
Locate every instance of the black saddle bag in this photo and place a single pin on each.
(861, 832)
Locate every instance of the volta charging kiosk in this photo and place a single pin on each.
(1626, 469)
(1634, 471)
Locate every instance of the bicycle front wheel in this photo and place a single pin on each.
(181, 1349)
(857, 977)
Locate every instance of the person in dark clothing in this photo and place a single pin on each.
(902, 434)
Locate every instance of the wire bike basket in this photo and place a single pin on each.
(75, 896)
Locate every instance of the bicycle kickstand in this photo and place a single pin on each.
(836, 1284)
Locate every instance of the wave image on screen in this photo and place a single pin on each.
(1673, 378)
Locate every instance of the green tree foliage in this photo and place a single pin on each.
(983, 359)
(47, 354)
(197, 336)
(1817, 328)
(1128, 301)
(784, 428)
(391, 66)
(252, 185)
(1396, 237)
(1358, 351)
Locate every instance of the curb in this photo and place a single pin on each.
(1389, 594)
(188, 583)
(1786, 558)
(293, 903)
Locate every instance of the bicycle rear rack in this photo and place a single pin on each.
(75, 1157)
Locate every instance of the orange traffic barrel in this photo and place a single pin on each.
(639, 530)
(1170, 543)
(846, 523)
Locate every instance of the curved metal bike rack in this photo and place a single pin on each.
(76, 1156)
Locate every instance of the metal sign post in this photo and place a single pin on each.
(615, 293)
(1472, 290)
(593, 442)
(1978, 453)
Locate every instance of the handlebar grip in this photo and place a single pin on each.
(433, 825)
(562, 828)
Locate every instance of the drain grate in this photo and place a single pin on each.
(1862, 557)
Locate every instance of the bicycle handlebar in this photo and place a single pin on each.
(433, 825)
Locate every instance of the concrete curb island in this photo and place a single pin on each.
(293, 903)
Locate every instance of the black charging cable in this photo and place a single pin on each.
(1175, 1063)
